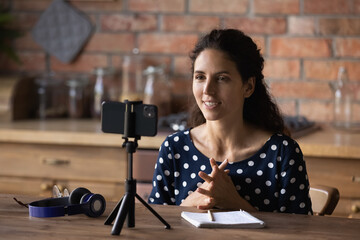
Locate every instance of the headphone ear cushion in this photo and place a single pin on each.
(77, 194)
(96, 203)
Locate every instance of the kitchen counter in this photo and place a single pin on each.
(330, 142)
(68, 131)
(326, 142)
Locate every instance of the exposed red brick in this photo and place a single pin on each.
(347, 47)
(326, 6)
(287, 107)
(260, 42)
(182, 65)
(356, 8)
(301, 25)
(128, 22)
(30, 61)
(216, 6)
(189, 23)
(26, 5)
(328, 69)
(258, 25)
(339, 26)
(108, 42)
(25, 21)
(300, 89)
(300, 47)
(282, 69)
(84, 63)
(276, 6)
(157, 5)
(98, 6)
(26, 42)
(166, 43)
(317, 110)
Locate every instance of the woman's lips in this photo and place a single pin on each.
(210, 104)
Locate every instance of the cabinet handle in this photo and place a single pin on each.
(55, 161)
(356, 179)
(355, 208)
(45, 186)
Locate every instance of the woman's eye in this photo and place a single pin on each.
(222, 78)
(199, 77)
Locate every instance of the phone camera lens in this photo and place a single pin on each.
(149, 112)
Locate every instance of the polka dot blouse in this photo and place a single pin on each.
(274, 179)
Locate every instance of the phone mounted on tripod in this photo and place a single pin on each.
(133, 119)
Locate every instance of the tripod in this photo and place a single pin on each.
(126, 206)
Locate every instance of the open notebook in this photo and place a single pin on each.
(232, 219)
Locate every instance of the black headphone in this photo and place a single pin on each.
(80, 200)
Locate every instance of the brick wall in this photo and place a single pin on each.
(304, 42)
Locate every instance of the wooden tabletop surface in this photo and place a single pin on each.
(15, 223)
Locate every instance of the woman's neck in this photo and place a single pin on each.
(234, 142)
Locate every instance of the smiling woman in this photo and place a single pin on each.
(216, 82)
(236, 155)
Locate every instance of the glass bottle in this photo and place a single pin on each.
(157, 89)
(99, 92)
(343, 98)
(132, 81)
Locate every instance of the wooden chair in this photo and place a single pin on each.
(324, 199)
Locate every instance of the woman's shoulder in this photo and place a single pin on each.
(178, 137)
(281, 138)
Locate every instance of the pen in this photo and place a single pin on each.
(211, 216)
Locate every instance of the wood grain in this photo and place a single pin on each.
(15, 223)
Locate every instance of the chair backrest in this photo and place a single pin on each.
(324, 199)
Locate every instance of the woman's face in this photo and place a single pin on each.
(218, 87)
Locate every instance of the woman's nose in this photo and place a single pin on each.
(209, 87)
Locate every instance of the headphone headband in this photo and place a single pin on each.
(93, 205)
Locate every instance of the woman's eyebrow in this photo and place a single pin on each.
(217, 73)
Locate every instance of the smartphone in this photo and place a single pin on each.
(144, 115)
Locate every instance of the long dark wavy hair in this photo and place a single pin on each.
(259, 108)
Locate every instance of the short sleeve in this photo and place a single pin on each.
(163, 178)
(294, 183)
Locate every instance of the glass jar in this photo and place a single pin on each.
(77, 97)
(51, 97)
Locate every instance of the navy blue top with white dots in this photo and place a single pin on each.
(274, 179)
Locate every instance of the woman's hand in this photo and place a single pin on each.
(221, 189)
(201, 201)
(218, 191)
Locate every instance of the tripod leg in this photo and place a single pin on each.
(121, 215)
(113, 213)
(167, 226)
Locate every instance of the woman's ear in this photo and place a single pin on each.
(249, 87)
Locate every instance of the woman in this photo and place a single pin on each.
(236, 155)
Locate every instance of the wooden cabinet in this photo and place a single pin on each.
(333, 159)
(36, 155)
(40, 166)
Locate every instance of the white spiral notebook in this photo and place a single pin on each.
(232, 219)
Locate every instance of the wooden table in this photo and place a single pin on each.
(15, 223)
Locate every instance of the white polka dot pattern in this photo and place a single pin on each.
(274, 179)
